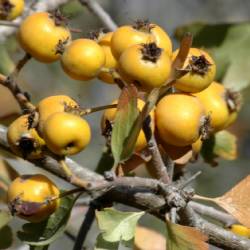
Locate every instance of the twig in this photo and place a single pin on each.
(189, 180)
(85, 227)
(141, 193)
(216, 235)
(169, 163)
(96, 109)
(172, 215)
(218, 215)
(100, 13)
(20, 96)
(9, 23)
(157, 162)
(19, 66)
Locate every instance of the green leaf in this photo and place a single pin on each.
(184, 238)
(6, 63)
(42, 234)
(117, 226)
(5, 218)
(223, 144)
(6, 237)
(229, 46)
(105, 163)
(102, 244)
(127, 113)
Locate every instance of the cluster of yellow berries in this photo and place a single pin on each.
(59, 129)
(140, 54)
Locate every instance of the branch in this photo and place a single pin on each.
(218, 215)
(20, 96)
(157, 161)
(85, 227)
(150, 195)
(217, 235)
(100, 13)
(45, 5)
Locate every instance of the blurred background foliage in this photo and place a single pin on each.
(221, 26)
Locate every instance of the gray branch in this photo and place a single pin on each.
(220, 216)
(100, 13)
(217, 236)
(141, 193)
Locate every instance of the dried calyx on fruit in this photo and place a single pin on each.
(10, 9)
(221, 104)
(24, 139)
(146, 65)
(200, 71)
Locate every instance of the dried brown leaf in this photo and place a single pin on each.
(237, 201)
(185, 238)
(148, 239)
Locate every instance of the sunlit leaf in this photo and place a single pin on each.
(117, 226)
(185, 238)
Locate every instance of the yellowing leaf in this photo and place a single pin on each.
(185, 238)
(237, 202)
(5, 218)
(148, 239)
(127, 113)
(117, 226)
(225, 145)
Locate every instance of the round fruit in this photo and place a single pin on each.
(23, 140)
(161, 38)
(127, 36)
(216, 100)
(10, 9)
(179, 119)
(178, 153)
(240, 230)
(141, 32)
(66, 134)
(28, 197)
(53, 104)
(40, 34)
(83, 59)
(146, 65)
(111, 63)
(109, 117)
(201, 73)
